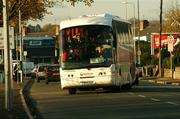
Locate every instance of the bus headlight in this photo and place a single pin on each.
(70, 75)
(102, 73)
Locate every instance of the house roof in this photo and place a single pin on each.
(40, 34)
(152, 28)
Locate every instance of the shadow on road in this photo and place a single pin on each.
(161, 89)
(32, 104)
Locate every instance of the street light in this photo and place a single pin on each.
(139, 51)
(125, 2)
(7, 67)
(134, 25)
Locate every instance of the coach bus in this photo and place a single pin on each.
(96, 51)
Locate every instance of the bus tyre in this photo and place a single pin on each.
(127, 86)
(47, 82)
(137, 81)
(72, 91)
(38, 80)
(117, 88)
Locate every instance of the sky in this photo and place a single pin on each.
(149, 9)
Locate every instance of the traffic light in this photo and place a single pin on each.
(144, 24)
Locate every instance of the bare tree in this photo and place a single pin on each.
(49, 28)
(172, 20)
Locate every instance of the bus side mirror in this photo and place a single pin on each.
(113, 68)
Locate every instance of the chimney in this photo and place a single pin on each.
(57, 30)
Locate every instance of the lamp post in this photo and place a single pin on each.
(7, 67)
(134, 26)
(139, 51)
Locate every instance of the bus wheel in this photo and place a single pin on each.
(127, 86)
(38, 80)
(137, 81)
(116, 89)
(47, 82)
(72, 91)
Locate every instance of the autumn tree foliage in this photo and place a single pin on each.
(172, 20)
(74, 2)
(33, 9)
(30, 9)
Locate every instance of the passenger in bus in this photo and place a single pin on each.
(99, 50)
(64, 58)
(103, 35)
(74, 54)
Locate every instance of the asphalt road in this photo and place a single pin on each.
(147, 101)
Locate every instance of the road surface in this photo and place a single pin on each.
(147, 101)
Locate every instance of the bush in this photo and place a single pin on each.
(166, 62)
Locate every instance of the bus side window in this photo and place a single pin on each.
(114, 40)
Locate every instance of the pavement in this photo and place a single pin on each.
(166, 81)
(17, 111)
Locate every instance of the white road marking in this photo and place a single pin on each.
(154, 99)
(131, 93)
(172, 103)
(175, 94)
(142, 96)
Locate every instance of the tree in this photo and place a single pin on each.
(36, 28)
(30, 9)
(33, 9)
(49, 28)
(74, 2)
(172, 20)
(145, 52)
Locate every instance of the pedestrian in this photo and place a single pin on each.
(15, 72)
(157, 71)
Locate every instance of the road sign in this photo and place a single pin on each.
(170, 43)
(139, 52)
(11, 38)
(25, 53)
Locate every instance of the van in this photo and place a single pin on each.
(27, 67)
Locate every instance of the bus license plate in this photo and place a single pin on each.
(86, 82)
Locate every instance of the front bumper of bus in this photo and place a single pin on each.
(80, 82)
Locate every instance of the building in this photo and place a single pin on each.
(40, 49)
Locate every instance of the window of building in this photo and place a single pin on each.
(35, 43)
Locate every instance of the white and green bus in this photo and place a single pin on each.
(96, 51)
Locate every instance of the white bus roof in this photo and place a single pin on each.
(102, 19)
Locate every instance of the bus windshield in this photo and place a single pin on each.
(86, 47)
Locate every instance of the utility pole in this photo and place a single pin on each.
(134, 33)
(7, 67)
(20, 47)
(139, 50)
(160, 32)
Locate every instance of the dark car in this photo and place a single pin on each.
(52, 73)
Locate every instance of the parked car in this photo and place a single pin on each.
(33, 71)
(52, 73)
